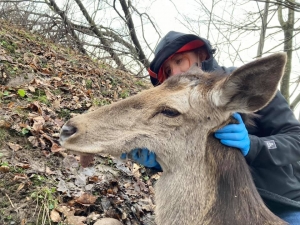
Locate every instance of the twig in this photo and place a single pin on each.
(10, 200)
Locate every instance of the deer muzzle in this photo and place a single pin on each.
(66, 132)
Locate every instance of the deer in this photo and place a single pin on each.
(203, 181)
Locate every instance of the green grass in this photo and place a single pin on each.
(45, 202)
(124, 94)
(100, 102)
(88, 84)
(64, 113)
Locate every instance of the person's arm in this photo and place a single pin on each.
(279, 131)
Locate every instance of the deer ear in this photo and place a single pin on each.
(252, 86)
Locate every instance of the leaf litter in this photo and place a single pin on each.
(42, 85)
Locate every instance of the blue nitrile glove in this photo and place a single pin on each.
(235, 135)
(144, 157)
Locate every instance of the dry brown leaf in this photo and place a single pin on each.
(23, 222)
(67, 211)
(56, 148)
(36, 107)
(14, 147)
(4, 169)
(20, 177)
(49, 95)
(23, 165)
(56, 104)
(36, 62)
(38, 124)
(31, 89)
(33, 66)
(42, 143)
(21, 186)
(4, 124)
(49, 171)
(27, 58)
(46, 71)
(94, 179)
(10, 105)
(59, 122)
(76, 220)
(86, 199)
(55, 217)
(34, 141)
(136, 170)
(60, 74)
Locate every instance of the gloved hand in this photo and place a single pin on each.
(235, 135)
(144, 157)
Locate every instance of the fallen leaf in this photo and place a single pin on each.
(23, 165)
(55, 217)
(31, 89)
(36, 107)
(4, 169)
(65, 210)
(20, 177)
(34, 141)
(21, 186)
(56, 104)
(76, 220)
(56, 148)
(4, 124)
(86, 199)
(38, 124)
(14, 147)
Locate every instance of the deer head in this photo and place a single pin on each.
(178, 115)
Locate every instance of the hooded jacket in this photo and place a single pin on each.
(274, 155)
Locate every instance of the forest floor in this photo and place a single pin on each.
(42, 85)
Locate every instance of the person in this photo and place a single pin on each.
(271, 148)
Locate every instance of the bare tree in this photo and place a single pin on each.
(228, 34)
(264, 24)
(288, 30)
(86, 28)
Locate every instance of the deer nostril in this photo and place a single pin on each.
(66, 132)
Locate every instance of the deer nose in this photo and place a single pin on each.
(66, 132)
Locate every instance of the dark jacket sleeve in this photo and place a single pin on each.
(276, 140)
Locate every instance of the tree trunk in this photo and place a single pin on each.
(68, 25)
(288, 30)
(101, 37)
(264, 24)
(134, 38)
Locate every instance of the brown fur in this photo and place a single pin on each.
(204, 182)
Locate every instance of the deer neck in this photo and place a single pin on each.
(215, 190)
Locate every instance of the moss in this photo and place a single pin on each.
(11, 47)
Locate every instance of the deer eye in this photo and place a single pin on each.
(170, 112)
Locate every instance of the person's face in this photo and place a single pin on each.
(181, 62)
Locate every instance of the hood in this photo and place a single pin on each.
(175, 42)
